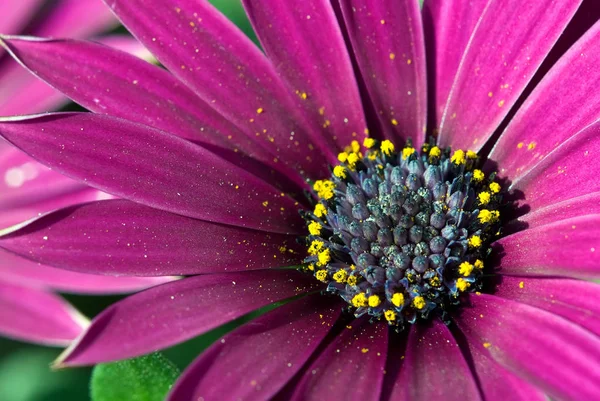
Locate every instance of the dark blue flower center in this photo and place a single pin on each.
(400, 235)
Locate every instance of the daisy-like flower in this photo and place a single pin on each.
(29, 310)
(428, 263)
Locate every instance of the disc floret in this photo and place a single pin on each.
(400, 234)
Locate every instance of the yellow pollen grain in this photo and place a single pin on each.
(304, 95)
(320, 210)
(311, 267)
(392, 56)
(342, 157)
(531, 145)
(355, 146)
(465, 268)
(419, 302)
(462, 284)
(324, 257)
(353, 158)
(369, 143)
(398, 299)
(487, 345)
(321, 275)
(490, 94)
(340, 276)
(390, 315)
(314, 228)
(471, 155)
(407, 152)
(382, 21)
(409, 61)
(364, 350)
(359, 300)
(265, 203)
(478, 264)
(521, 284)
(394, 121)
(501, 103)
(315, 247)
(495, 187)
(458, 157)
(478, 175)
(387, 147)
(435, 152)
(374, 301)
(520, 145)
(260, 110)
(339, 172)
(484, 197)
(474, 241)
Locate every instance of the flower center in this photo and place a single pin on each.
(401, 234)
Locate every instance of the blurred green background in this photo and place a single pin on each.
(24, 368)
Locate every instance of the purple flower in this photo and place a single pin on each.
(29, 308)
(459, 270)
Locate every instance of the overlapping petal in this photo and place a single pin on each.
(563, 104)
(558, 356)
(500, 58)
(174, 312)
(21, 271)
(281, 340)
(119, 237)
(207, 52)
(434, 367)
(350, 368)
(36, 315)
(387, 39)
(319, 71)
(569, 248)
(152, 167)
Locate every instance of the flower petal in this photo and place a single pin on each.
(566, 172)
(574, 207)
(501, 56)
(111, 82)
(119, 237)
(16, 14)
(550, 352)
(75, 19)
(36, 315)
(174, 312)
(543, 123)
(350, 368)
(387, 38)
(281, 340)
(152, 167)
(434, 367)
(21, 271)
(571, 299)
(568, 248)
(207, 52)
(318, 70)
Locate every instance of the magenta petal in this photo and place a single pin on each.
(318, 70)
(21, 271)
(174, 312)
(571, 299)
(500, 58)
(434, 368)
(229, 72)
(568, 248)
(566, 172)
(496, 382)
(579, 206)
(23, 181)
(559, 357)
(36, 315)
(75, 19)
(112, 82)
(543, 123)
(119, 237)
(152, 167)
(350, 368)
(387, 38)
(16, 14)
(282, 340)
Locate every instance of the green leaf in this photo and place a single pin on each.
(148, 378)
